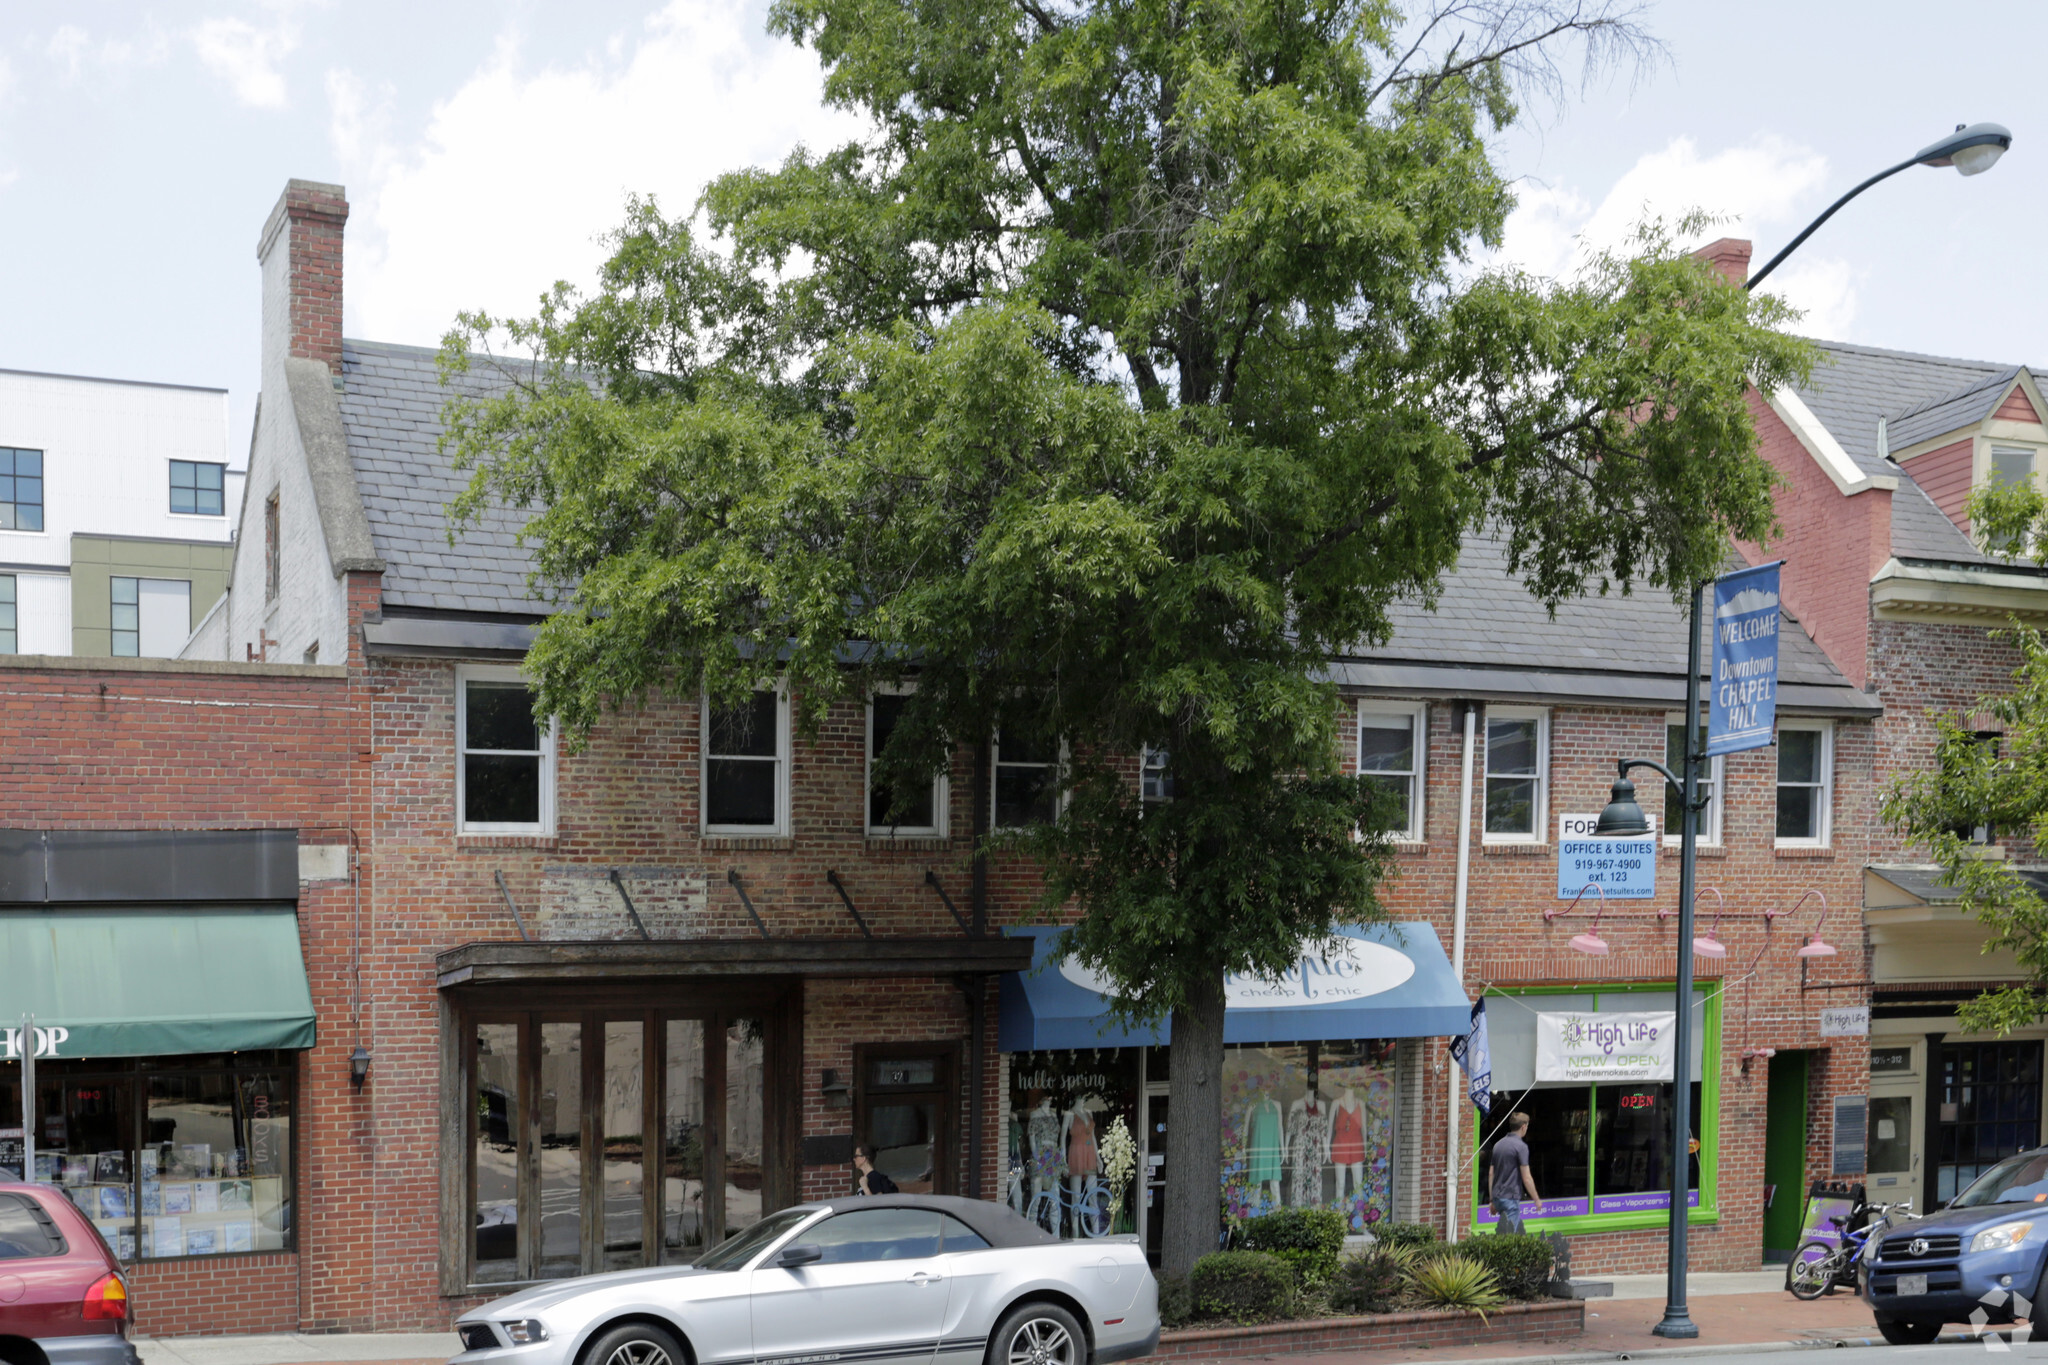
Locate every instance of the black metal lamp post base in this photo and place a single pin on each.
(1676, 1324)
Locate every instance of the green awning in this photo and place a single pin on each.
(143, 983)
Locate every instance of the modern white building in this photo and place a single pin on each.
(118, 504)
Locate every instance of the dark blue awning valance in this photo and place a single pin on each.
(1384, 981)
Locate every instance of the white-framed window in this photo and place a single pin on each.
(922, 812)
(505, 768)
(1155, 775)
(1026, 790)
(1711, 778)
(746, 765)
(1392, 739)
(1517, 759)
(1806, 783)
(10, 635)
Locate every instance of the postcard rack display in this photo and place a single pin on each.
(188, 1201)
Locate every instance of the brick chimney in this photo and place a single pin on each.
(1729, 255)
(300, 252)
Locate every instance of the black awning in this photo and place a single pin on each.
(480, 964)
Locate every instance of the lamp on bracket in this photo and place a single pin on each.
(1709, 944)
(1815, 945)
(1590, 943)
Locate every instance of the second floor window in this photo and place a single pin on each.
(1027, 785)
(21, 489)
(505, 779)
(918, 811)
(148, 618)
(1710, 787)
(196, 488)
(1514, 775)
(10, 636)
(746, 766)
(1389, 753)
(1805, 783)
(1155, 775)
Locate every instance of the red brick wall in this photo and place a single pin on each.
(317, 218)
(1945, 476)
(1509, 944)
(216, 1293)
(1831, 545)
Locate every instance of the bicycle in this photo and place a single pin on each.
(1091, 1210)
(1818, 1268)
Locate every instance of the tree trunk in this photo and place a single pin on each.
(1194, 1149)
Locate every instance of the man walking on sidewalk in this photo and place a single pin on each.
(1511, 1176)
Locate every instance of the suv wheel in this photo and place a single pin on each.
(1900, 1332)
(635, 1343)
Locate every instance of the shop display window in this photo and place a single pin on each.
(1063, 1105)
(1309, 1125)
(169, 1157)
(682, 1137)
(745, 1118)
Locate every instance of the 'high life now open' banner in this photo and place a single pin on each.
(1606, 1047)
(1743, 706)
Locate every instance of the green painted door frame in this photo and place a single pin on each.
(1785, 1151)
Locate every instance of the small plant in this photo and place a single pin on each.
(1176, 1305)
(1308, 1240)
(1372, 1282)
(1244, 1286)
(1454, 1282)
(1520, 1262)
(1405, 1234)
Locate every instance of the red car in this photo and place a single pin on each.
(63, 1300)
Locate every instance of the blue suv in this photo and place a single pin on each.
(1982, 1253)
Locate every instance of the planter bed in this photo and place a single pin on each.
(1540, 1321)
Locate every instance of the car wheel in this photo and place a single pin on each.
(634, 1343)
(1899, 1332)
(1038, 1334)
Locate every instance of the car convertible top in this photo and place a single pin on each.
(998, 1224)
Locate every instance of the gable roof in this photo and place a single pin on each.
(391, 408)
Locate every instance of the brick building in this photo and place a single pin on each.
(1880, 454)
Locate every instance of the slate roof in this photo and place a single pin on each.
(1485, 618)
(391, 410)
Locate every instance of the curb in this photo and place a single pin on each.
(1724, 1349)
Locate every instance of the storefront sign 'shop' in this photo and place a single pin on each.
(1605, 1047)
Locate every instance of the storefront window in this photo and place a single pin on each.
(1062, 1106)
(1309, 1125)
(170, 1157)
(548, 1204)
(1595, 1147)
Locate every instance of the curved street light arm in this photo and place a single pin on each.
(1623, 765)
(1793, 245)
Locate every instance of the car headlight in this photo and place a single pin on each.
(525, 1331)
(2004, 1237)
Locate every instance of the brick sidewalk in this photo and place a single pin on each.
(1617, 1325)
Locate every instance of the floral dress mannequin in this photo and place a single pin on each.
(1308, 1144)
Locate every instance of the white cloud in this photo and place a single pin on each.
(77, 55)
(1763, 185)
(247, 57)
(519, 172)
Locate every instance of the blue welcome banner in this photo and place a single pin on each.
(1743, 711)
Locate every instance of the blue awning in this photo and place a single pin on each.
(1385, 981)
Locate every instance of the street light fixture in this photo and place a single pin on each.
(1972, 150)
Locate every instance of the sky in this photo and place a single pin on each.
(488, 145)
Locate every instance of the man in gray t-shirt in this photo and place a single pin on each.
(1511, 1177)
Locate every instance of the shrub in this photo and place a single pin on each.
(1520, 1262)
(1454, 1282)
(1372, 1282)
(1405, 1234)
(1176, 1308)
(1308, 1240)
(1244, 1286)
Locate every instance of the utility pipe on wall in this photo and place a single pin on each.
(1455, 1107)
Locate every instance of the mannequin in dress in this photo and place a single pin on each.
(1263, 1151)
(1084, 1162)
(1347, 1146)
(1308, 1144)
(1042, 1128)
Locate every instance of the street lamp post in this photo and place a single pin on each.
(1972, 150)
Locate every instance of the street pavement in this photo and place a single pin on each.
(1741, 1316)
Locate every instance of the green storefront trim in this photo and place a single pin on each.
(1710, 1120)
(135, 982)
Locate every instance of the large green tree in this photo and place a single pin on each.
(1135, 364)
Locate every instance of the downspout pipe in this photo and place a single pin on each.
(1455, 1106)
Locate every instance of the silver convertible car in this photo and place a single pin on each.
(899, 1278)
